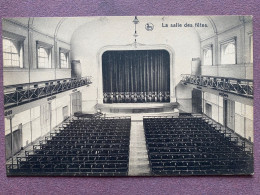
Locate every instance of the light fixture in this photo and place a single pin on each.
(135, 21)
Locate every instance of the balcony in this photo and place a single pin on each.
(15, 95)
(242, 87)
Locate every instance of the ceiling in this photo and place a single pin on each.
(64, 27)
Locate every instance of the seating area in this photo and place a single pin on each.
(192, 146)
(186, 145)
(85, 147)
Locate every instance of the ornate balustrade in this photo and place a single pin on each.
(242, 87)
(15, 95)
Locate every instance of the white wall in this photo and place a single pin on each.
(90, 38)
(32, 125)
(184, 97)
(244, 120)
(217, 106)
(30, 72)
(88, 99)
(244, 68)
(243, 114)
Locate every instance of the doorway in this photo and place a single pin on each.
(209, 110)
(76, 102)
(45, 118)
(229, 114)
(15, 141)
(196, 101)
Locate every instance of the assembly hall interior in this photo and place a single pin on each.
(128, 95)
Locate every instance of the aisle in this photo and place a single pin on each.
(138, 158)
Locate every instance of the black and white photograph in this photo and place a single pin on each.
(128, 95)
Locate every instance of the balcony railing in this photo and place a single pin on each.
(243, 87)
(15, 95)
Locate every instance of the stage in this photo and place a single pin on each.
(138, 107)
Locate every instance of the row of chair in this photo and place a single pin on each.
(77, 149)
(189, 145)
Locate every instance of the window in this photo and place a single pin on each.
(12, 53)
(64, 58)
(44, 55)
(251, 48)
(228, 52)
(207, 56)
(43, 58)
(63, 61)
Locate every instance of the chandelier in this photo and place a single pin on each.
(135, 21)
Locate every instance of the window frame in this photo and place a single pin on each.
(225, 42)
(67, 55)
(207, 47)
(17, 40)
(47, 47)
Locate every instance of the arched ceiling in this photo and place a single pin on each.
(64, 28)
(69, 25)
(46, 25)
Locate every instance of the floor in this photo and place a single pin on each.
(138, 158)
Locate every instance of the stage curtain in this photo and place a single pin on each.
(136, 71)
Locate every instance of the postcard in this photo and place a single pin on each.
(128, 95)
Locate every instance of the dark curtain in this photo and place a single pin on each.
(136, 71)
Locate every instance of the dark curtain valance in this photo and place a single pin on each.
(136, 71)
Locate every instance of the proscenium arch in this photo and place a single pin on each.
(135, 47)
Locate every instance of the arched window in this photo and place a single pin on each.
(43, 58)
(12, 53)
(207, 56)
(228, 52)
(64, 61)
(44, 55)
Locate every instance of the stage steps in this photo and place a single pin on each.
(138, 158)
